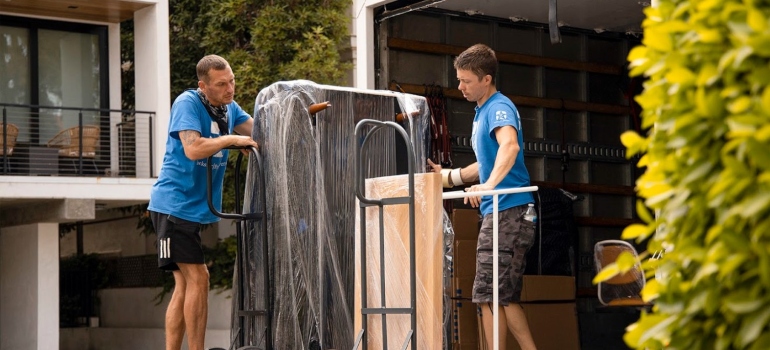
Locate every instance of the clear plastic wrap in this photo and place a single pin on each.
(310, 204)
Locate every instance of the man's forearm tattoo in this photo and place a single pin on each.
(188, 137)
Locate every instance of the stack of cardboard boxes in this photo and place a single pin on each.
(548, 301)
(465, 334)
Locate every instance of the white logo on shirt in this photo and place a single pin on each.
(215, 130)
(473, 135)
(501, 115)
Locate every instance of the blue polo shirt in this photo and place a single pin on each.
(496, 112)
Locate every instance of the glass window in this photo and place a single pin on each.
(68, 71)
(47, 68)
(15, 77)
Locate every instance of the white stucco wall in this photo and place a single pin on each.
(131, 320)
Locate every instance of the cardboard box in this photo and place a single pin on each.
(465, 346)
(464, 322)
(548, 303)
(553, 326)
(462, 287)
(547, 288)
(464, 261)
(466, 224)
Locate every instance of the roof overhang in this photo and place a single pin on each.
(110, 11)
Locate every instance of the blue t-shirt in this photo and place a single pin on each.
(181, 187)
(496, 112)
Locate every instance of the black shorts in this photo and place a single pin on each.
(179, 241)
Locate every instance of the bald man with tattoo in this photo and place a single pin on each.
(201, 125)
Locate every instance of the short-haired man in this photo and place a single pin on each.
(200, 126)
(497, 141)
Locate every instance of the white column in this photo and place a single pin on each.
(153, 83)
(364, 45)
(113, 45)
(29, 287)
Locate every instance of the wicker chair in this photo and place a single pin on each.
(69, 143)
(8, 133)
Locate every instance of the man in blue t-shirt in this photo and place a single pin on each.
(200, 126)
(498, 143)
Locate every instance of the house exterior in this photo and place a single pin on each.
(61, 71)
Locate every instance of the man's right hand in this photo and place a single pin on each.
(436, 168)
(243, 141)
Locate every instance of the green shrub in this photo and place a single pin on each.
(706, 109)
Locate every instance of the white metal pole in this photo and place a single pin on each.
(495, 283)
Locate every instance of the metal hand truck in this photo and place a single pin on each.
(361, 338)
(238, 342)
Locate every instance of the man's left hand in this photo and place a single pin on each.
(476, 201)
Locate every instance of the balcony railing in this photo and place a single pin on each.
(72, 141)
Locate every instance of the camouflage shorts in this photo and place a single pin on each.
(516, 236)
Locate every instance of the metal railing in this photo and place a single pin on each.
(75, 141)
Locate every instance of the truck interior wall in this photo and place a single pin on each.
(589, 74)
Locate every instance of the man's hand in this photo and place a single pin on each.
(244, 141)
(436, 168)
(476, 201)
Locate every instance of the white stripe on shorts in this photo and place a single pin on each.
(165, 248)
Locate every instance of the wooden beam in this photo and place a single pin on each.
(505, 57)
(530, 101)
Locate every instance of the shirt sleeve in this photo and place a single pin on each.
(502, 114)
(184, 117)
(240, 116)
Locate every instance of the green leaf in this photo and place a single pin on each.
(634, 231)
(705, 271)
(752, 326)
(759, 153)
(754, 204)
(707, 75)
(743, 304)
(680, 75)
(766, 100)
(657, 329)
(762, 343)
(631, 139)
(626, 261)
(643, 213)
(756, 20)
(651, 290)
(732, 263)
(698, 172)
(660, 40)
(763, 268)
(739, 105)
(609, 271)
